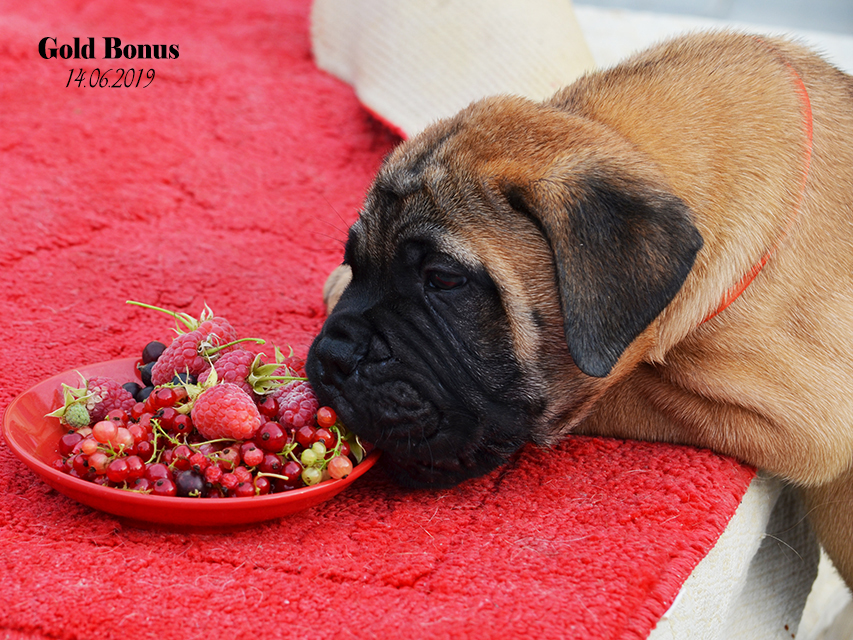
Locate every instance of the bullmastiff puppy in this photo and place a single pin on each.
(662, 251)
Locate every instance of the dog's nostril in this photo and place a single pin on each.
(339, 358)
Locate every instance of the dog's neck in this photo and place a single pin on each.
(805, 104)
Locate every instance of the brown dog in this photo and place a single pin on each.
(521, 271)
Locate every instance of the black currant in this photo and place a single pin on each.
(145, 373)
(133, 387)
(190, 484)
(143, 394)
(152, 351)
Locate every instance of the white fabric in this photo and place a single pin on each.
(415, 61)
(613, 34)
(754, 583)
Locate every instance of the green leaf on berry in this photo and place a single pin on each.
(71, 396)
(262, 376)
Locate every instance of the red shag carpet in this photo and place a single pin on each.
(231, 180)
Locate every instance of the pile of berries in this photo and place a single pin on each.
(206, 418)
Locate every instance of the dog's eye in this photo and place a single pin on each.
(445, 280)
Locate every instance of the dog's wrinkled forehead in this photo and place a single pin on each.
(410, 199)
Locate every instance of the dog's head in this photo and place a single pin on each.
(504, 263)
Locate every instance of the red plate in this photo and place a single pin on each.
(34, 439)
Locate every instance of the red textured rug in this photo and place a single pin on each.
(231, 178)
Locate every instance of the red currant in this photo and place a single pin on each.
(326, 417)
(137, 410)
(305, 435)
(167, 416)
(79, 464)
(228, 459)
(182, 424)
(135, 467)
(104, 431)
(199, 462)
(339, 467)
(268, 407)
(245, 489)
(163, 397)
(252, 456)
(99, 461)
(137, 433)
(142, 484)
(326, 437)
(164, 487)
(119, 416)
(88, 446)
(181, 457)
(270, 464)
(262, 486)
(291, 471)
(157, 470)
(68, 442)
(124, 440)
(118, 470)
(272, 437)
(144, 449)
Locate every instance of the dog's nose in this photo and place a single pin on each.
(341, 346)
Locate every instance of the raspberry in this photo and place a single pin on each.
(205, 337)
(180, 356)
(225, 411)
(107, 395)
(234, 367)
(297, 404)
(217, 330)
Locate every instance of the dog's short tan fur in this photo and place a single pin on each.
(717, 120)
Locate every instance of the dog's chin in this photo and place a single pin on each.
(418, 474)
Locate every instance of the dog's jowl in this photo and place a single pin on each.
(663, 251)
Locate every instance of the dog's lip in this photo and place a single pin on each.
(416, 445)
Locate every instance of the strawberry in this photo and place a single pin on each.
(107, 395)
(297, 404)
(224, 410)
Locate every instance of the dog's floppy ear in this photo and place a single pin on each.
(622, 250)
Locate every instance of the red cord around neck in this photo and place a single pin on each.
(806, 110)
